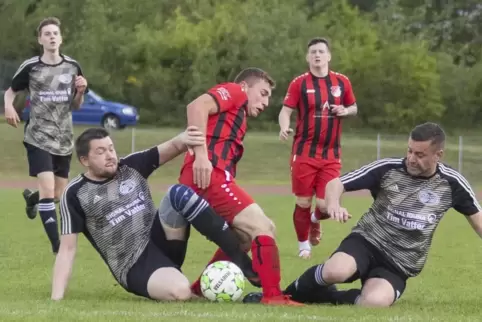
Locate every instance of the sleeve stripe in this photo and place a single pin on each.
(66, 227)
(462, 181)
(25, 64)
(359, 173)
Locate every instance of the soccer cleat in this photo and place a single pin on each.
(257, 297)
(315, 233)
(253, 297)
(280, 300)
(196, 288)
(305, 253)
(31, 200)
(317, 294)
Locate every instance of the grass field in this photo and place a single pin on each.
(447, 290)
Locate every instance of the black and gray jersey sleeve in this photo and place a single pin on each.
(21, 78)
(369, 176)
(72, 216)
(145, 162)
(464, 199)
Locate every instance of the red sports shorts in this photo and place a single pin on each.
(309, 176)
(223, 194)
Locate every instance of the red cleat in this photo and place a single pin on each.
(280, 300)
(315, 233)
(196, 288)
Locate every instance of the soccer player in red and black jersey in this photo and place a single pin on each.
(322, 99)
(211, 169)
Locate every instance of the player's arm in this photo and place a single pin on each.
(147, 161)
(198, 112)
(80, 89)
(72, 220)
(20, 82)
(349, 106)
(290, 103)
(464, 199)
(217, 100)
(365, 178)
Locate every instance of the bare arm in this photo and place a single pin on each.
(334, 190)
(9, 98)
(198, 112)
(351, 110)
(284, 118)
(63, 265)
(78, 100)
(476, 223)
(171, 149)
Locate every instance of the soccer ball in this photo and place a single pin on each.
(222, 281)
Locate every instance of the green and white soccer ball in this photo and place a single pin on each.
(222, 281)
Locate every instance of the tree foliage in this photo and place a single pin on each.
(407, 61)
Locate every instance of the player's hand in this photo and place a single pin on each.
(202, 169)
(80, 84)
(285, 133)
(193, 137)
(338, 213)
(11, 116)
(339, 110)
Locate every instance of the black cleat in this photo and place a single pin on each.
(317, 294)
(252, 277)
(253, 297)
(31, 200)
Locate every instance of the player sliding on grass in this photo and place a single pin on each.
(391, 241)
(111, 204)
(221, 115)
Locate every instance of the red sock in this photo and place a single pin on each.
(302, 221)
(219, 255)
(267, 264)
(319, 215)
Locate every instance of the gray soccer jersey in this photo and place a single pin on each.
(51, 89)
(115, 215)
(407, 209)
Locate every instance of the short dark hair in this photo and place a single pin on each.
(47, 21)
(318, 40)
(82, 143)
(251, 73)
(428, 132)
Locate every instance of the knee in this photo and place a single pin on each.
(180, 293)
(180, 196)
(304, 202)
(375, 299)
(338, 270)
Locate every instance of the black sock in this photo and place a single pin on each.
(346, 297)
(48, 216)
(204, 219)
(309, 280)
(177, 249)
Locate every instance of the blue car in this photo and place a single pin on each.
(97, 111)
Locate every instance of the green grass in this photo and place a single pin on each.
(447, 290)
(266, 159)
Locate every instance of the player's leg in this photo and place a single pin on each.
(182, 206)
(156, 276)
(231, 202)
(41, 166)
(382, 288)
(303, 184)
(326, 172)
(351, 261)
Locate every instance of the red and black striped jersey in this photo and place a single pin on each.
(318, 131)
(226, 129)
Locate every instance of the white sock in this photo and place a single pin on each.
(304, 245)
(313, 218)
